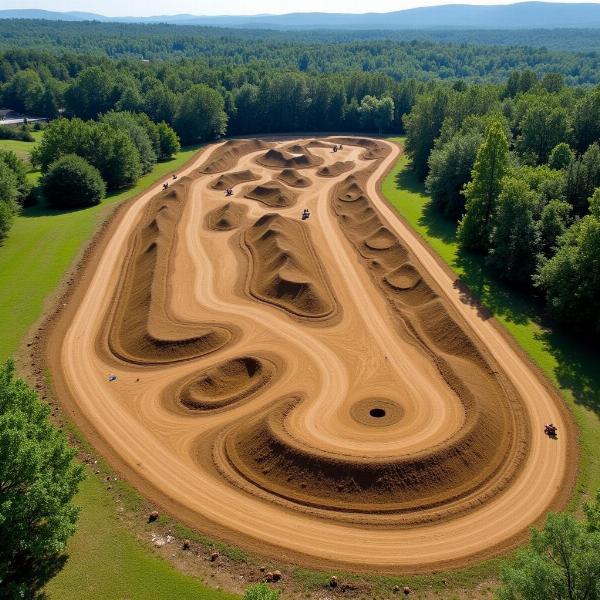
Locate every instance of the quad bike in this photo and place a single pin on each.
(550, 430)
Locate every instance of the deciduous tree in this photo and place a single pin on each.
(38, 479)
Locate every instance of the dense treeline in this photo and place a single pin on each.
(254, 98)
(151, 40)
(518, 167)
(409, 54)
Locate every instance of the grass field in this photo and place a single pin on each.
(21, 149)
(572, 367)
(108, 563)
(105, 561)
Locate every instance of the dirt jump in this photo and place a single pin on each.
(320, 390)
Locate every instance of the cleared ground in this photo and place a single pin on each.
(316, 390)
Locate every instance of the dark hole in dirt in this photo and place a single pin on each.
(377, 413)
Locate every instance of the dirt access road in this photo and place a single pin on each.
(314, 390)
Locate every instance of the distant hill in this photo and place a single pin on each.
(524, 15)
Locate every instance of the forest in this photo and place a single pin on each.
(424, 55)
(535, 217)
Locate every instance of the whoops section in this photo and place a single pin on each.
(315, 387)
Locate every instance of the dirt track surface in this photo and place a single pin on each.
(315, 390)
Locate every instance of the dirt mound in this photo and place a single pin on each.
(226, 383)
(272, 194)
(280, 159)
(467, 468)
(226, 156)
(374, 150)
(226, 217)
(230, 180)
(142, 330)
(316, 143)
(296, 148)
(337, 168)
(404, 277)
(292, 178)
(285, 271)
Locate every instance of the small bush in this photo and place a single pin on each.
(260, 591)
(71, 182)
(14, 133)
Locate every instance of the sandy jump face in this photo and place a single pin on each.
(296, 372)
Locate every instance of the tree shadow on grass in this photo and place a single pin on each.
(480, 287)
(406, 179)
(578, 365)
(29, 578)
(436, 224)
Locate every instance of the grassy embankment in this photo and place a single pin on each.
(571, 366)
(105, 560)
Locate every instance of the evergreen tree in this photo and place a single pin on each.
(423, 125)
(481, 193)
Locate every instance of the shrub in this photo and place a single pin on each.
(260, 591)
(13, 133)
(71, 182)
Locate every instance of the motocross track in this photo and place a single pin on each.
(319, 391)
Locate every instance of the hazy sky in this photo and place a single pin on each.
(231, 7)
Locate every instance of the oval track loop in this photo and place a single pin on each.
(362, 414)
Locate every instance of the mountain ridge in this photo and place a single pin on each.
(522, 15)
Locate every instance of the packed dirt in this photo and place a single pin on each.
(318, 390)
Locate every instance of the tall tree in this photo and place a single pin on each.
(8, 198)
(201, 115)
(586, 120)
(450, 166)
(91, 93)
(514, 237)
(38, 479)
(423, 125)
(482, 192)
(583, 177)
(552, 224)
(542, 127)
(376, 114)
